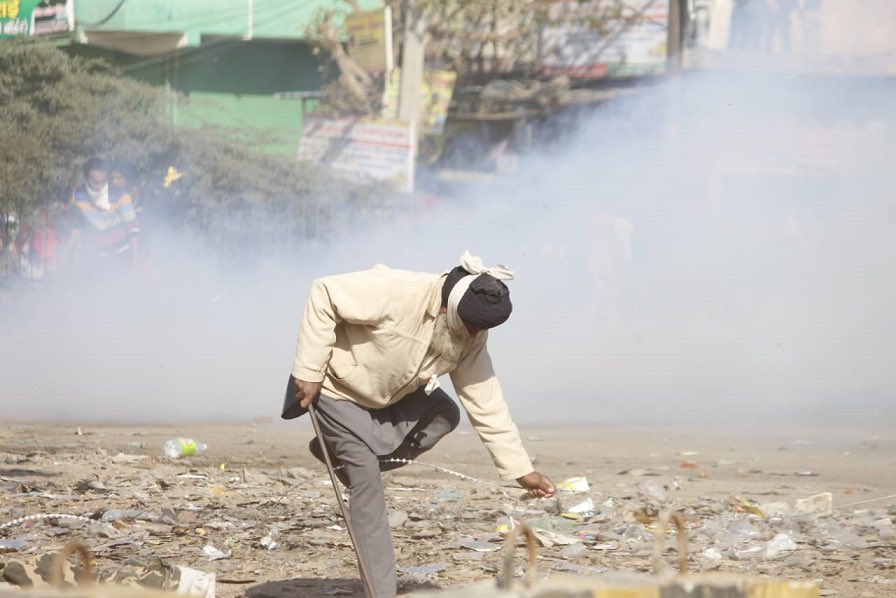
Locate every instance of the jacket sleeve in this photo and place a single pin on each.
(128, 214)
(358, 297)
(480, 394)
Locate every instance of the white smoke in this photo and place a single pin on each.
(716, 247)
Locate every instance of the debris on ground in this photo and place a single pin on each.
(274, 522)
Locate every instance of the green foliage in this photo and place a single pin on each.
(60, 111)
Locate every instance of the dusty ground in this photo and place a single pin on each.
(259, 477)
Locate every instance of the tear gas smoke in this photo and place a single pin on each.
(719, 247)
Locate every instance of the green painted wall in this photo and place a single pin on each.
(227, 81)
(275, 124)
(256, 67)
(231, 83)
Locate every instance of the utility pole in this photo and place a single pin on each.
(412, 59)
(250, 19)
(678, 13)
(412, 63)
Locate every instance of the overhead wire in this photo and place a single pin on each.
(108, 17)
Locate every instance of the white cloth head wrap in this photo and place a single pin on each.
(473, 265)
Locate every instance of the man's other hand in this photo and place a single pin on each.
(538, 485)
(307, 392)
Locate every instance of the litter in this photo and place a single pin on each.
(653, 491)
(551, 538)
(128, 458)
(576, 484)
(819, 504)
(276, 524)
(780, 544)
(268, 542)
(213, 553)
(480, 545)
(178, 448)
(586, 507)
(745, 506)
(622, 584)
(12, 545)
(425, 569)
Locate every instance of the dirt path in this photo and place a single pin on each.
(257, 484)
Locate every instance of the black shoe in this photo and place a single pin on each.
(338, 468)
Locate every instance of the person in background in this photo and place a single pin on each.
(784, 22)
(751, 23)
(37, 246)
(106, 228)
(811, 17)
(123, 177)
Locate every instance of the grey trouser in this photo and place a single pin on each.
(359, 438)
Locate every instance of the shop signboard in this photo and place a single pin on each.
(35, 17)
(605, 38)
(361, 149)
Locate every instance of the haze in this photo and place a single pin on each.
(717, 247)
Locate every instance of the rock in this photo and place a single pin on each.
(397, 519)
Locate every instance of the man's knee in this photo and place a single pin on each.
(442, 418)
(450, 412)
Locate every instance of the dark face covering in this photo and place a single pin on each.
(486, 303)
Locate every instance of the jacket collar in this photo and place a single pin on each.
(435, 295)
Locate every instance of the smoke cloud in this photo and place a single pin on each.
(716, 247)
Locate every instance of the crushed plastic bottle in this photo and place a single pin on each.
(584, 508)
(820, 505)
(269, 542)
(575, 484)
(837, 536)
(736, 531)
(748, 553)
(777, 546)
(177, 448)
(653, 491)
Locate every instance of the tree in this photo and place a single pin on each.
(480, 40)
(59, 111)
(471, 38)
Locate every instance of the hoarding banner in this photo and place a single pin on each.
(361, 148)
(16, 17)
(35, 17)
(605, 38)
(366, 32)
(53, 16)
(435, 95)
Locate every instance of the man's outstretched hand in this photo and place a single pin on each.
(537, 484)
(307, 392)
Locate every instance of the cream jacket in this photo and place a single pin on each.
(365, 336)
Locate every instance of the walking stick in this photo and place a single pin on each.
(365, 579)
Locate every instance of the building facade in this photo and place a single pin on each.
(228, 63)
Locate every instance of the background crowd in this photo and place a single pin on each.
(96, 230)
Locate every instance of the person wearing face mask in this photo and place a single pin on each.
(371, 347)
(107, 230)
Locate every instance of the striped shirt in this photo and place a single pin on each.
(108, 230)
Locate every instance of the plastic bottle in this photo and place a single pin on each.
(779, 545)
(177, 448)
